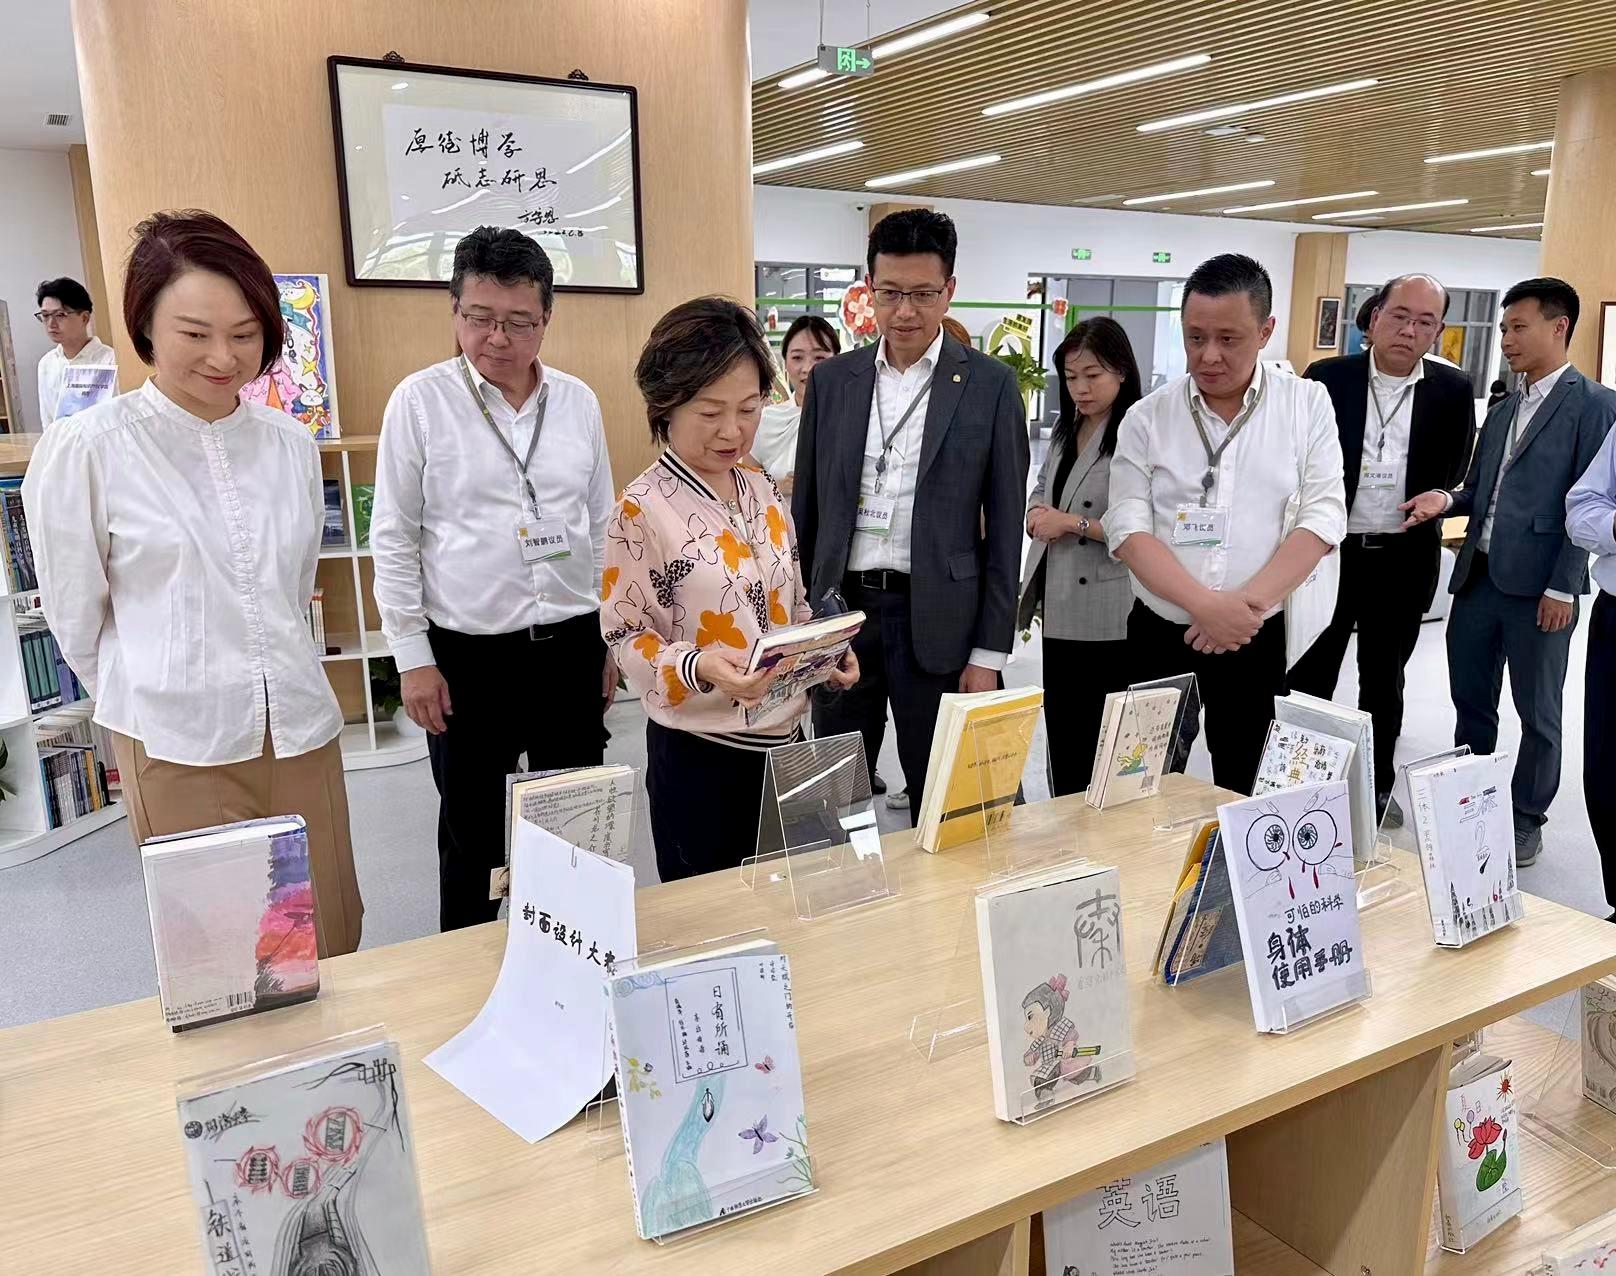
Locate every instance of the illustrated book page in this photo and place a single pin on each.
(1464, 823)
(1328, 718)
(1478, 1171)
(1135, 752)
(1294, 755)
(803, 656)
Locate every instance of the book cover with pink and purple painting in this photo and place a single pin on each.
(232, 916)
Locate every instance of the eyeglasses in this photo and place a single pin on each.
(1425, 327)
(45, 316)
(923, 298)
(513, 327)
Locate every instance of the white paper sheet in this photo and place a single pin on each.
(535, 1053)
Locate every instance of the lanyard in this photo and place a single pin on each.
(522, 462)
(888, 436)
(1385, 421)
(1214, 457)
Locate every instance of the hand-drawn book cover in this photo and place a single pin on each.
(1478, 1173)
(302, 380)
(1465, 828)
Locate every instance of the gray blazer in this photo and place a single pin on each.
(1086, 593)
(967, 529)
(1530, 552)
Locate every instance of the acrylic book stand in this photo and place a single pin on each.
(1560, 1111)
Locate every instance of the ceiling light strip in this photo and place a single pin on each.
(1391, 208)
(1297, 203)
(898, 44)
(806, 157)
(1137, 74)
(1245, 108)
(1196, 194)
(933, 170)
(1489, 230)
(1519, 149)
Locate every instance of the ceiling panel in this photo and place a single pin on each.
(1454, 76)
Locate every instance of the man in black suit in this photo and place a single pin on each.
(911, 478)
(1406, 426)
(1518, 576)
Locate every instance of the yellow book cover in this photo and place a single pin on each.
(988, 759)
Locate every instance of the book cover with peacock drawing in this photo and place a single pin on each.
(1478, 1174)
(709, 1085)
(1599, 1043)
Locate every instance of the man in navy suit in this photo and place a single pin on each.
(1518, 576)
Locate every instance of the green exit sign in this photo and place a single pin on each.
(1082, 254)
(1161, 259)
(846, 60)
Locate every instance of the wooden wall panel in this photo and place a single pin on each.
(1320, 270)
(95, 279)
(1577, 243)
(225, 106)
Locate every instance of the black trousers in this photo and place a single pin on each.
(1077, 677)
(1383, 586)
(888, 670)
(1599, 737)
(705, 801)
(1237, 688)
(1488, 628)
(512, 694)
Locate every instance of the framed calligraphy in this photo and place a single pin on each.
(426, 154)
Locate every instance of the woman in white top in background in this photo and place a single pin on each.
(809, 340)
(176, 531)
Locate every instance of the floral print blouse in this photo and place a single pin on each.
(686, 570)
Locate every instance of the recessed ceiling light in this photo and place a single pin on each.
(1488, 230)
(1243, 108)
(1095, 86)
(898, 44)
(806, 157)
(1297, 203)
(1256, 137)
(1540, 172)
(1196, 194)
(933, 170)
(1391, 208)
(402, 84)
(1518, 149)
(1226, 130)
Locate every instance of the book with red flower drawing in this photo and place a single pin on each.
(802, 656)
(1478, 1173)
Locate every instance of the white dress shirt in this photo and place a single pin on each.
(176, 559)
(1530, 401)
(775, 446)
(1591, 514)
(53, 370)
(449, 499)
(1390, 413)
(1290, 446)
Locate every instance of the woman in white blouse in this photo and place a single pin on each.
(176, 532)
(809, 341)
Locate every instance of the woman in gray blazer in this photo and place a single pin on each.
(1081, 591)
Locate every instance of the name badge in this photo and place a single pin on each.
(1377, 474)
(1203, 527)
(875, 514)
(543, 539)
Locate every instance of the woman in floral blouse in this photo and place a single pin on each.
(701, 558)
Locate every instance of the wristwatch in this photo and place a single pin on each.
(1083, 530)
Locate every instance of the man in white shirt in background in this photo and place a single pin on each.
(1518, 573)
(1202, 488)
(65, 310)
(493, 489)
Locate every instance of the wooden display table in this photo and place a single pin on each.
(1331, 1130)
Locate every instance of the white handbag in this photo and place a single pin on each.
(1311, 605)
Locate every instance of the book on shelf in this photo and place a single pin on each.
(978, 752)
(709, 1084)
(1584, 1251)
(803, 657)
(306, 1162)
(1172, 1220)
(20, 573)
(364, 503)
(1599, 1043)
(1478, 1173)
(232, 919)
(48, 679)
(589, 807)
(1199, 934)
(71, 781)
(333, 533)
(1054, 987)
(1328, 718)
(75, 724)
(1289, 858)
(1136, 734)
(1295, 755)
(1464, 826)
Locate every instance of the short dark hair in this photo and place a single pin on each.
(1229, 273)
(691, 347)
(1384, 295)
(1366, 312)
(506, 256)
(70, 292)
(1554, 297)
(168, 244)
(1107, 340)
(911, 231)
(819, 332)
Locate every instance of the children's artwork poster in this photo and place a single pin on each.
(302, 382)
(428, 154)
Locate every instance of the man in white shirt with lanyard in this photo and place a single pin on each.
(493, 489)
(76, 353)
(1226, 491)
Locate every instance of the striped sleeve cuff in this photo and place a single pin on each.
(686, 670)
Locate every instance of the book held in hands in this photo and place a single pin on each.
(1464, 824)
(1478, 1171)
(233, 920)
(1054, 987)
(1136, 736)
(978, 752)
(802, 656)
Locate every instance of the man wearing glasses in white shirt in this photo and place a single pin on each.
(64, 312)
(493, 489)
(1209, 472)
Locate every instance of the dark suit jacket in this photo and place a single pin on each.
(1530, 552)
(973, 475)
(1443, 429)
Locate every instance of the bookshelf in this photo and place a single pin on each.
(10, 386)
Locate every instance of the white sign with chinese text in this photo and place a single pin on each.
(535, 1054)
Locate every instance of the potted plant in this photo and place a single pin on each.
(1029, 374)
(387, 696)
